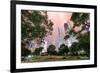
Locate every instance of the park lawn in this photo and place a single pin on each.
(54, 58)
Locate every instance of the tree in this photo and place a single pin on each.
(38, 50)
(51, 50)
(34, 25)
(63, 50)
(74, 49)
(80, 19)
(84, 39)
(25, 52)
(85, 43)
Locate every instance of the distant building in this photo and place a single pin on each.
(62, 31)
(69, 41)
(65, 27)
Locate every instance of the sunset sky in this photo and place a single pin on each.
(58, 18)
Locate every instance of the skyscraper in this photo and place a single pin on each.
(65, 26)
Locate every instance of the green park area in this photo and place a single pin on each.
(54, 58)
(73, 45)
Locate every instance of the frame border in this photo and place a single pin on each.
(13, 36)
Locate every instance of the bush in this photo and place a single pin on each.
(51, 50)
(63, 50)
(38, 50)
(25, 52)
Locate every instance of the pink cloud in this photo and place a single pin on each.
(59, 18)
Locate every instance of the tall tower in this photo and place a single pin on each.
(60, 36)
(65, 26)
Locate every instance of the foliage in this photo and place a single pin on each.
(85, 43)
(51, 50)
(79, 18)
(63, 50)
(74, 48)
(34, 25)
(24, 51)
(38, 50)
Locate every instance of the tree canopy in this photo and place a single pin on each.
(34, 25)
(51, 50)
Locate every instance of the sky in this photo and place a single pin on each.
(58, 18)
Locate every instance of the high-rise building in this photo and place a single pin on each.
(65, 26)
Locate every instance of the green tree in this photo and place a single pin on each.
(74, 49)
(25, 51)
(63, 50)
(51, 50)
(80, 19)
(38, 50)
(34, 25)
(84, 41)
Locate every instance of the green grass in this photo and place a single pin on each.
(54, 58)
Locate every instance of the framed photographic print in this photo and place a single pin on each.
(52, 36)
